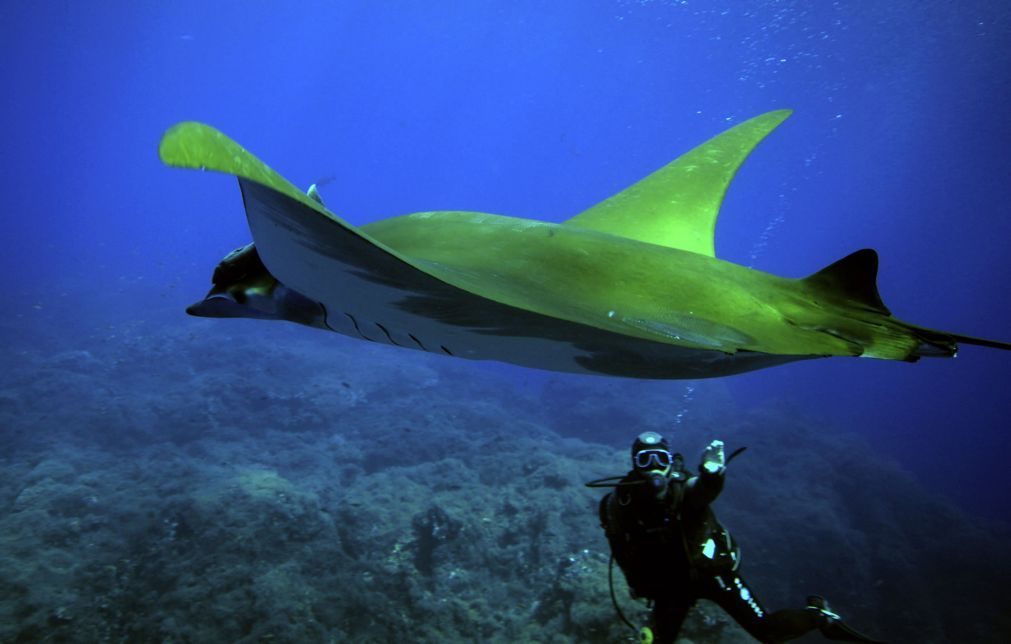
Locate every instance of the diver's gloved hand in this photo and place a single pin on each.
(714, 459)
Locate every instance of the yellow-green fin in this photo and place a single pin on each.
(677, 205)
(196, 145)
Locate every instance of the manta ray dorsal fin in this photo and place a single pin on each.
(853, 277)
(677, 205)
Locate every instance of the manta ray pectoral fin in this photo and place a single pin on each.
(677, 205)
(360, 282)
(358, 285)
(304, 246)
(199, 146)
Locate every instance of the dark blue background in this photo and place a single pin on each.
(540, 109)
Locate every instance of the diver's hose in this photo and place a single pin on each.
(614, 599)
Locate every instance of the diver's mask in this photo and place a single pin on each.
(653, 459)
(655, 465)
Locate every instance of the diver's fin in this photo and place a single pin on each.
(832, 626)
(841, 632)
(677, 205)
(855, 277)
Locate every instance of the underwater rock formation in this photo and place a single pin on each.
(340, 492)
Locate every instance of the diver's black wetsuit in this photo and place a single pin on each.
(674, 552)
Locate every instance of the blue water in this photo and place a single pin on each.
(899, 142)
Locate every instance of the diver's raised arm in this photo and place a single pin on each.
(704, 488)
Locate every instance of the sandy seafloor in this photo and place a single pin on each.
(183, 480)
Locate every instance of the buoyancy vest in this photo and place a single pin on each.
(660, 542)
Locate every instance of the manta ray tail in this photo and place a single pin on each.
(945, 345)
(854, 278)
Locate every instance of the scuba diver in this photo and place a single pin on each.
(673, 551)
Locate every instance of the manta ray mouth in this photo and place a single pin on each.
(223, 305)
(282, 303)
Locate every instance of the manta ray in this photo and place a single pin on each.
(629, 287)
